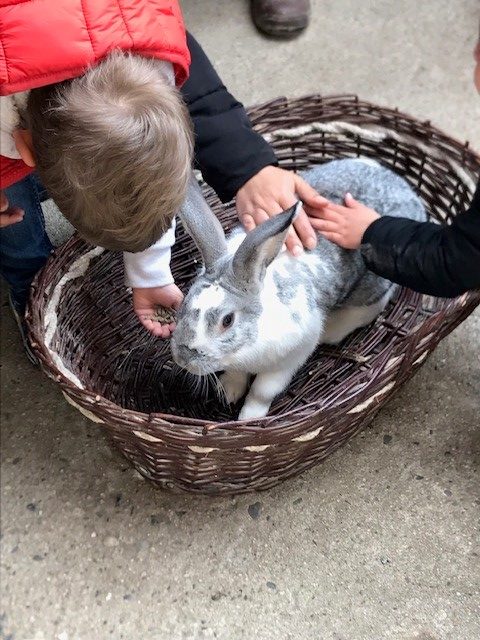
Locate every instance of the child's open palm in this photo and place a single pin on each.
(146, 301)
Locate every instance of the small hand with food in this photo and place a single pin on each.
(156, 307)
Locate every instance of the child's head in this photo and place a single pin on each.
(114, 148)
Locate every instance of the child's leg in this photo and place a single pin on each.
(25, 246)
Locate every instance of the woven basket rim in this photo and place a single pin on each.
(393, 111)
(235, 428)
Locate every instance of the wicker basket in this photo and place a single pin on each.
(174, 431)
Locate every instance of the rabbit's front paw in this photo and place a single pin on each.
(253, 409)
(234, 384)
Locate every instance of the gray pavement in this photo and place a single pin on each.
(378, 543)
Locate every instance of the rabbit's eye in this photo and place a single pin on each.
(227, 320)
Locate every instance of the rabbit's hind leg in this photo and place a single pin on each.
(341, 322)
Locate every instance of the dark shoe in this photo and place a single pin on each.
(18, 311)
(280, 18)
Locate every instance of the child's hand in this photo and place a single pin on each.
(9, 215)
(343, 225)
(271, 191)
(146, 301)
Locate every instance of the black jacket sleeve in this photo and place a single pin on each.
(435, 259)
(227, 150)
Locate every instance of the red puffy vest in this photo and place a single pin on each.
(47, 41)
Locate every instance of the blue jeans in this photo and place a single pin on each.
(25, 246)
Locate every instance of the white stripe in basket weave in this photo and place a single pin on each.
(421, 358)
(88, 414)
(360, 407)
(308, 436)
(254, 448)
(196, 449)
(336, 126)
(77, 269)
(146, 436)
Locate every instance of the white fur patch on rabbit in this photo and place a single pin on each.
(211, 297)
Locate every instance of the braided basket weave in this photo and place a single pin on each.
(175, 431)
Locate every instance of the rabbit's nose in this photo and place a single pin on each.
(188, 353)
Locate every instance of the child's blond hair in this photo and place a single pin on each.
(114, 150)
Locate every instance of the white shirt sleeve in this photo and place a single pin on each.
(9, 121)
(151, 268)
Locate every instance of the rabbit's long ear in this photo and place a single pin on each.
(260, 247)
(202, 225)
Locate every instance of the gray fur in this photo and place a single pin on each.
(287, 288)
(259, 249)
(288, 285)
(202, 225)
(342, 277)
(213, 317)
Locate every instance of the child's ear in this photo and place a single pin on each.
(23, 142)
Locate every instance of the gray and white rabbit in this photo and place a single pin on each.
(255, 309)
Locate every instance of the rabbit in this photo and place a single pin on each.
(255, 309)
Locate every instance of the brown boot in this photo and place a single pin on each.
(280, 18)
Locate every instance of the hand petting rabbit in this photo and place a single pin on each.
(256, 309)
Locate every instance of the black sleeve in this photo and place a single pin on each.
(438, 260)
(227, 150)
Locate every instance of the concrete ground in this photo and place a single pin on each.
(378, 543)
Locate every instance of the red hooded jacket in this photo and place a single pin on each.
(48, 41)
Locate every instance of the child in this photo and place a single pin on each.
(437, 260)
(109, 134)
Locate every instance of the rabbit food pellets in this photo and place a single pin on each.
(164, 316)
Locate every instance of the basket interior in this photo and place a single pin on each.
(99, 339)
